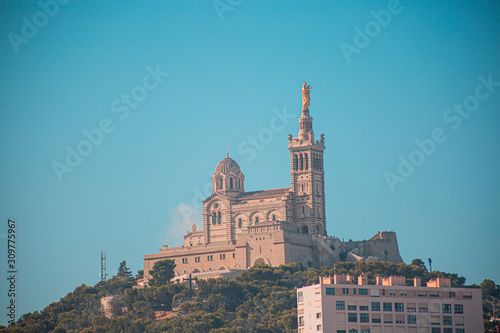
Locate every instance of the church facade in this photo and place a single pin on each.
(274, 227)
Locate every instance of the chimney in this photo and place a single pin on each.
(362, 279)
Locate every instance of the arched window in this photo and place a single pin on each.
(295, 162)
(219, 218)
(303, 210)
(318, 229)
(256, 219)
(305, 229)
(240, 223)
(221, 183)
(274, 217)
(307, 162)
(301, 162)
(231, 183)
(238, 181)
(214, 218)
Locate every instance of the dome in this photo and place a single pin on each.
(226, 166)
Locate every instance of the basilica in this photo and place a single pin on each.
(273, 227)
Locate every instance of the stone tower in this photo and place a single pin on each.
(307, 173)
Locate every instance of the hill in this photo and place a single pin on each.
(262, 299)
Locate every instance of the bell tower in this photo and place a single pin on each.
(307, 173)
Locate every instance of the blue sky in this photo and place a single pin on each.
(233, 67)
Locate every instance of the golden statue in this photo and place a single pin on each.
(306, 100)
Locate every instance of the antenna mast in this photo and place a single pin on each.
(103, 267)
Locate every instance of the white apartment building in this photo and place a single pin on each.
(337, 305)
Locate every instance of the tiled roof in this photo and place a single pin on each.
(265, 193)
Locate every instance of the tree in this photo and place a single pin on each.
(124, 271)
(418, 262)
(162, 272)
(488, 287)
(116, 306)
(140, 274)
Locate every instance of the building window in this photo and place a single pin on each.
(411, 309)
(446, 308)
(459, 330)
(352, 307)
(363, 308)
(436, 330)
(422, 309)
(221, 184)
(300, 298)
(387, 306)
(256, 220)
(197, 259)
(354, 291)
(274, 217)
(363, 291)
(210, 258)
(219, 217)
(240, 223)
(340, 305)
(184, 260)
(412, 319)
(459, 308)
(223, 256)
(451, 294)
(375, 306)
(318, 315)
(352, 317)
(318, 328)
(234, 255)
(345, 291)
(399, 307)
(301, 321)
(231, 183)
(330, 291)
(447, 320)
(376, 320)
(447, 330)
(364, 318)
(353, 330)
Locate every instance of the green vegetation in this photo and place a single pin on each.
(162, 272)
(124, 271)
(262, 299)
